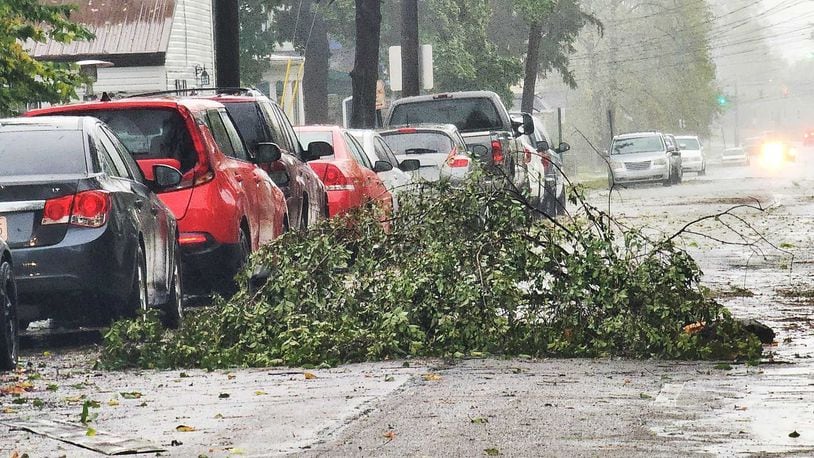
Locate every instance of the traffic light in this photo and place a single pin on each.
(723, 100)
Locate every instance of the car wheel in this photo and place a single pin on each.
(172, 313)
(306, 208)
(562, 203)
(137, 303)
(703, 170)
(245, 247)
(9, 335)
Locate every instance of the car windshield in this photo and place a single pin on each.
(308, 137)
(42, 152)
(689, 143)
(468, 114)
(633, 145)
(418, 142)
(150, 133)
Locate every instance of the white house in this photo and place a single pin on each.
(154, 45)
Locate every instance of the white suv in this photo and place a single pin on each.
(693, 158)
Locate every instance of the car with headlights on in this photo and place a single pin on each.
(9, 331)
(89, 237)
(641, 157)
(693, 156)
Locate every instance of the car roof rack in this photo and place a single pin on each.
(195, 91)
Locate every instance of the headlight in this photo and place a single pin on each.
(773, 154)
(660, 162)
(616, 165)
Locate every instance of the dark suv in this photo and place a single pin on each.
(259, 121)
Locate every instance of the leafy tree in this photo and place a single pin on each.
(257, 38)
(22, 78)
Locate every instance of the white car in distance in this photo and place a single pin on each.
(693, 158)
(397, 179)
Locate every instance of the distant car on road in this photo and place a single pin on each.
(89, 237)
(693, 156)
(641, 157)
(735, 156)
(545, 166)
(808, 138)
(398, 179)
(439, 148)
(9, 327)
(342, 165)
(226, 204)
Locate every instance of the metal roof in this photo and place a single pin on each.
(121, 27)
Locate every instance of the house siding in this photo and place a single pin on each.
(131, 80)
(191, 43)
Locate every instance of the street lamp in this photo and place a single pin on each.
(201, 75)
(88, 68)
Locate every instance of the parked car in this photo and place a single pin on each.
(693, 157)
(676, 164)
(481, 118)
(440, 150)
(88, 235)
(343, 167)
(397, 179)
(260, 121)
(641, 157)
(547, 183)
(9, 331)
(735, 156)
(226, 204)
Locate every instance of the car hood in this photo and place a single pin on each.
(638, 157)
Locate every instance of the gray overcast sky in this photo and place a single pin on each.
(788, 16)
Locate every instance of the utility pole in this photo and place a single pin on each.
(227, 43)
(737, 117)
(409, 48)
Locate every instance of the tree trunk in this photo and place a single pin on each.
(409, 49)
(227, 43)
(315, 75)
(365, 71)
(532, 66)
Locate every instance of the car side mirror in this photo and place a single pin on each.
(671, 149)
(267, 152)
(542, 146)
(382, 166)
(563, 147)
(675, 152)
(317, 150)
(410, 165)
(165, 176)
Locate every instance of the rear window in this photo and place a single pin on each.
(150, 133)
(468, 115)
(43, 152)
(418, 143)
(307, 137)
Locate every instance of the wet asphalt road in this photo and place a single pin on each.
(511, 407)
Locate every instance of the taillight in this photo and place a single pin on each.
(335, 180)
(57, 211)
(455, 160)
(497, 152)
(192, 238)
(85, 209)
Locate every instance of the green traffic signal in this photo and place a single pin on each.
(722, 100)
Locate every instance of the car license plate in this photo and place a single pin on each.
(3, 228)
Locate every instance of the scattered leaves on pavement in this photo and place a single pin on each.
(491, 451)
(52, 387)
(479, 420)
(90, 432)
(223, 396)
(309, 375)
(431, 377)
(389, 378)
(131, 395)
(260, 393)
(794, 434)
(645, 396)
(184, 429)
(390, 435)
(723, 366)
(113, 402)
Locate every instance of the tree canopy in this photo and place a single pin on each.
(22, 78)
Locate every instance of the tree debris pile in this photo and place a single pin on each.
(464, 271)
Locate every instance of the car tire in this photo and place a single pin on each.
(172, 312)
(137, 300)
(304, 212)
(10, 332)
(562, 202)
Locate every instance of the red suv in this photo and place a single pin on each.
(226, 205)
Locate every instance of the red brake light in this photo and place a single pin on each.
(407, 130)
(456, 161)
(85, 209)
(497, 152)
(192, 238)
(57, 211)
(335, 180)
